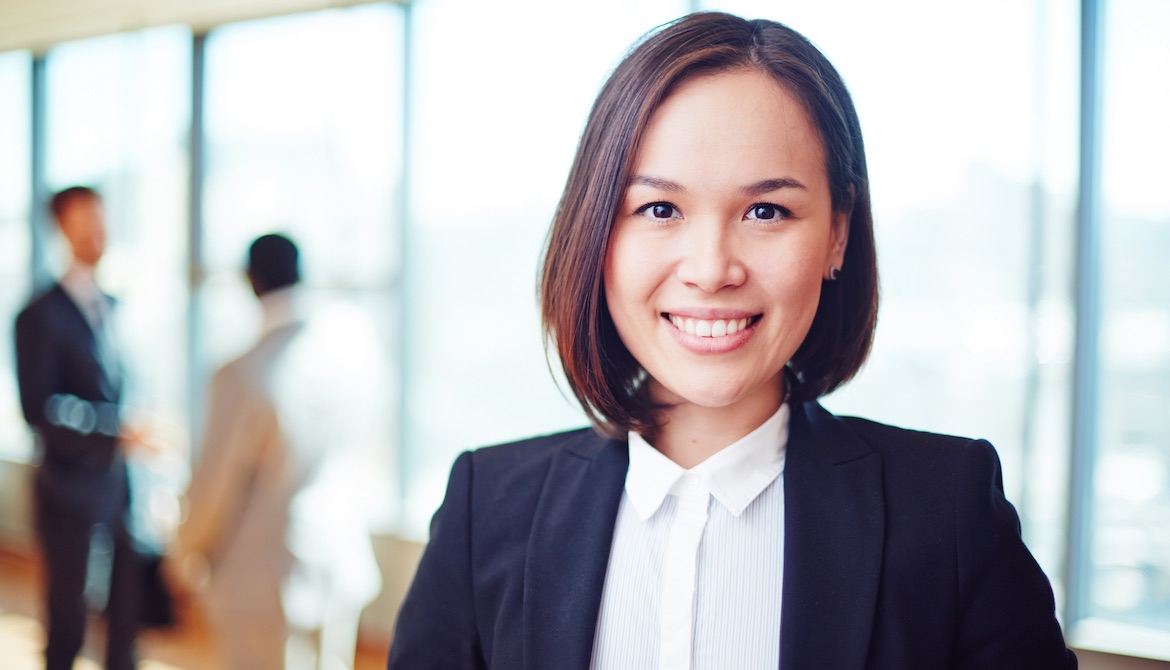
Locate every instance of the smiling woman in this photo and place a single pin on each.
(710, 273)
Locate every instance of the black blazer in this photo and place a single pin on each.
(72, 402)
(900, 552)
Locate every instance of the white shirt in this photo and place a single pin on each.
(696, 568)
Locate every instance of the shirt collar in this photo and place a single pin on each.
(735, 475)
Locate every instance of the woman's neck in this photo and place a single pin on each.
(690, 434)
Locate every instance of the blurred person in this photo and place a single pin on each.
(275, 536)
(71, 389)
(710, 273)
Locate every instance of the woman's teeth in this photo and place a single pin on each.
(705, 328)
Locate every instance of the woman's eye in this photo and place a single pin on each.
(659, 210)
(766, 212)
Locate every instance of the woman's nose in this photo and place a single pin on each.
(710, 260)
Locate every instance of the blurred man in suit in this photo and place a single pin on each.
(274, 530)
(70, 391)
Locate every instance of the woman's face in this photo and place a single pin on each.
(718, 251)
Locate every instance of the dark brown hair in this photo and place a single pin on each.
(600, 370)
(273, 263)
(64, 198)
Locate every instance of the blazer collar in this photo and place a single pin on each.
(110, 376)
(833, 535)
(69, 306)
(568, 552)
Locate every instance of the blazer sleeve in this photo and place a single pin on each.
(436, 626)
(1008, 613)
(73, 429)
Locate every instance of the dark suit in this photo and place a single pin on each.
(72, 402)
(900, 552)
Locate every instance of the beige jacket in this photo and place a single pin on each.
(272, 503)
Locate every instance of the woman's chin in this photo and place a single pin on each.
(712, 395)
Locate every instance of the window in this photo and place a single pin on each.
(1129, 561)
(15, 237)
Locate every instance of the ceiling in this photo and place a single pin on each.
(39, 24)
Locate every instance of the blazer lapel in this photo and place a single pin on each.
(107, 375)
(833, 535)
(569, 551)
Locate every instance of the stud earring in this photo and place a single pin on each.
(834, 272)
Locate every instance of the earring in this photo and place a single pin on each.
(834, 272)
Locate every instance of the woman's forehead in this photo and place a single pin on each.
(738, 125)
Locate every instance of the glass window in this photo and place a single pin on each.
(494, 124)
(303, 129)
(1130, 557)
(972, 166)
(15, 238)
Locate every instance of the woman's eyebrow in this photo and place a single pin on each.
(758, 188)
(655, 182)
(768, 185)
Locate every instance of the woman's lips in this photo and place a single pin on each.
(712, 335)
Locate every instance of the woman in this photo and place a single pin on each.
(710, 273)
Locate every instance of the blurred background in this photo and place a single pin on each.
(416, 151)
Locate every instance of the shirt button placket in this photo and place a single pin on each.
(680, 576)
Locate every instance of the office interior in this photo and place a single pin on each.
(416, 151)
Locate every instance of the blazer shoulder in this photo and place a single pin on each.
(885, 438)
(929, 469)
(523, 463)
(47, 314)
(46, 300)
(916, 453)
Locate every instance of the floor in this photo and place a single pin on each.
(188, 646)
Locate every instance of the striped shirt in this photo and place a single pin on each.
(695, 571)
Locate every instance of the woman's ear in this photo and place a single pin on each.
(839, 239)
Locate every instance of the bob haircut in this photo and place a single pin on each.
(604, 376)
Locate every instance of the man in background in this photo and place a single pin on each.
(70, 392)
(275, 535)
